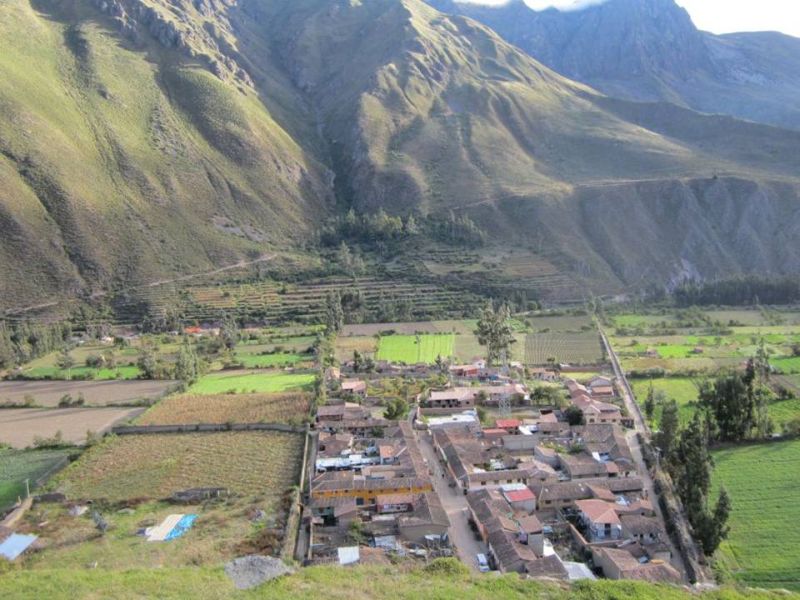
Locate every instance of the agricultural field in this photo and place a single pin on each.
(561, 323)
(575, 348)
(268, 360)
(155, 466)
(19, 427)
(346, 345)
(763, 483)
(412, 349)
(47, 394)
(244, 382)
(34, 465)
(224, 408)
(463, 326)
(681, 389)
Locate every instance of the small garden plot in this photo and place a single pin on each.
(34, 465)
(573, 348)
(243, 382)
(48, 394)
(763, 483)
(20, 427)
(155, 466)
(412, 349)
(227, 408)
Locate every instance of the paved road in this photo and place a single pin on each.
(455, 504)
(633, 441)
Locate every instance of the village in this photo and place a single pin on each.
(476, 470)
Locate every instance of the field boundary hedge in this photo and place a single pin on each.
(203, 428)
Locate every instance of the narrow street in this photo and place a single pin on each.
(455, 504)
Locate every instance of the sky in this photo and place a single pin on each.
(717, 16)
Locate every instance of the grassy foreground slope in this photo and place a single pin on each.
(360, 583)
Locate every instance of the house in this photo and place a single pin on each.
(600, 519)
(511, 426)
(356, 387)
(645, 530)
(543, 374)
(618, 563)
(601, 387)
(583, 466)
(466, 421)
(465, 370)
(595, 411)
(457, 397)
(427, 519)
(520, 497)
(495, 394)
(394, 503)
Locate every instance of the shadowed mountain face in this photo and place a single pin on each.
(650, 50)
(141, 139)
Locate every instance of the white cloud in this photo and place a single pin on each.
(717, 16)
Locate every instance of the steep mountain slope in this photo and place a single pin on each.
(143, 138)
(123, 163)
(650, 50)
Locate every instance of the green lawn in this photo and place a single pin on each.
(247, 382)
(18, 465)
(764, 484)
(412, 349)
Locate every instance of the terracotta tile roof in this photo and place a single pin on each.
(599, 511)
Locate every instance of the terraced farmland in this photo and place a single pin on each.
(34, 465)
(228, 408)
(155, 466)
(305, 302)
(574, 348)
(762, 481)
(412, 349)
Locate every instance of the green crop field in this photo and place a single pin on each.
(251, 382)
(253, 360)
(411, 349)
(576, 348)
(18, 465)
(764, 484)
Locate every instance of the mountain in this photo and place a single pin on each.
(649, 50)
(148, 139)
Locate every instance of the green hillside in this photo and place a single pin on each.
(367, 583)
(144, 139)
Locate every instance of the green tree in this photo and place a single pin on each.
(187, 368)
(731, 404)
(669, 425)
(494, 331)
(650, 403)
(396, 410)
(65, 361)
(574, 415)
(229, 332)
(147, 361)
(334, 314)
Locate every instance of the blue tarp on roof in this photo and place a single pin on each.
(15, 545)
(184, 525)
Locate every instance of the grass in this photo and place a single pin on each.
(787, 365)
(155, 466)
(411, 349)
(248, 382)
(394, 582)
(18, 465)
(224, 408)
(681, 389)
(763, 483)
(266, 361)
